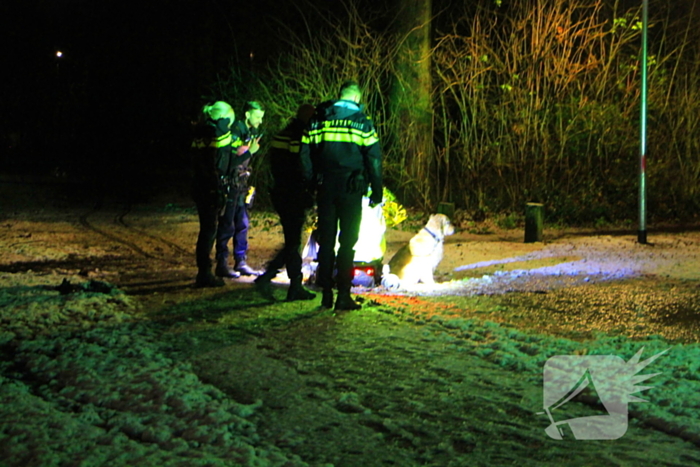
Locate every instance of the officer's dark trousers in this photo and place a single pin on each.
(208, 218)
(337, 210)
(233, 224)
(292, 216)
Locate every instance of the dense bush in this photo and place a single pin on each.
(532, 102)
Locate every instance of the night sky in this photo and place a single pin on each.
(119, 101)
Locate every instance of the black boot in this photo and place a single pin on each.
(243, 269)
(222, 270)
(207, 279)
(327, 299)
(263, 284)
(297, 292)
(345, 301)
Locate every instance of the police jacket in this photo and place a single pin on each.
(241, 135)
(288, 182)
(214, 162)
(339, 144)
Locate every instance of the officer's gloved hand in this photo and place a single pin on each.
(375, 198)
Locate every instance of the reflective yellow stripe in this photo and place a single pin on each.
(333, 129)
(280, 142)
(221, 141)
(342, 135)
(286, 143)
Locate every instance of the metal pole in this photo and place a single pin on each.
(642, 234)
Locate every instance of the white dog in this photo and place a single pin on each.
(416, 262)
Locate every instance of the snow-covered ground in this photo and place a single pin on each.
(88, 376)
(86, 381)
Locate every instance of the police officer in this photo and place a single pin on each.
(245, 137)
(214, 164)
(291, 198)
(340, 150)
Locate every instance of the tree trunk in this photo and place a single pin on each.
(411, 103)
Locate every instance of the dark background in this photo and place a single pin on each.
(114, 111)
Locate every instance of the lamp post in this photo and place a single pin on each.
(642, 234)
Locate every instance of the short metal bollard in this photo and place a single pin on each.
(534, 220)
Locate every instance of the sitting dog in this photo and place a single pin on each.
(417, 261)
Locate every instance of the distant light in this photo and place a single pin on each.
(59, 54)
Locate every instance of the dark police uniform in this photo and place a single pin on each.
(340, 151)
(290, 198)
(214, 165)
(235, 221)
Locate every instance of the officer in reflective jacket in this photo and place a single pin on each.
(340, 153)
(214, 165)
(245, 139)
(291, 199)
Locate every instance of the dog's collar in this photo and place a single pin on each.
(432, 234)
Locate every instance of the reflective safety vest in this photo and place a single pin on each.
(284, 159)
(212, 141)
(340, 140)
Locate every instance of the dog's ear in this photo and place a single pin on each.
(434, 221)
(447, 227)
